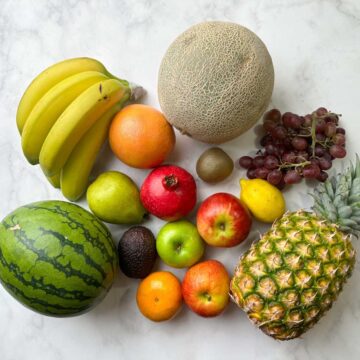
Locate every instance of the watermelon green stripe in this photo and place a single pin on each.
(68, 270)
(39, 284)
(77, 225)
(78, 248)
(50, 308)
(56, 258)
(29, 292)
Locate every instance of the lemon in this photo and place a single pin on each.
(265, 201)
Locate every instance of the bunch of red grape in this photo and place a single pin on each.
(296, 147)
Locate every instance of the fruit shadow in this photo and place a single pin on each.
(103, 160)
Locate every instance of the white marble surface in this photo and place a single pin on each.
(315, 47)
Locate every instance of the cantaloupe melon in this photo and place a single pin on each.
(215, 81)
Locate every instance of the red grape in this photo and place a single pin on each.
(330, 129)
(287, 143)
(274, 177)
(258, 161)
(311, 171)
(271, 162)
(246, 162)
(301, 157)
(286, 117)
(324, 164)
(337, 151)
(299, 143)
(321, 111)
(281, 149)
(315, 161)
(290, 152)
(327, 156)
(281, 184)
(279, 132)
(339, 139)
(320, 126)
(267, 139)
(271, 149)
(307, 120)
(251, 173)
(273, 115)
(262, 173)
(322, 176)
(319, 150)
(292, 121)
(320, 137)
(269, 125)
(289, 157)
(292, 177)
(332, 119)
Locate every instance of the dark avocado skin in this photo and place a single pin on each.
(214, 165)
(137, 252)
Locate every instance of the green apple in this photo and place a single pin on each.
(179, 244)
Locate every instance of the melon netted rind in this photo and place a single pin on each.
(215, 81)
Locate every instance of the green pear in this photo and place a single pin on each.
(114, 198)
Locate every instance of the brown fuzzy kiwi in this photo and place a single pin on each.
(214, 165)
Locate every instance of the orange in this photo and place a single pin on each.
(159, 296)
(141, 137)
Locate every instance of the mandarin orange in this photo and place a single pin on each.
(159, 296)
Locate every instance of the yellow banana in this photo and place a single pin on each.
(77, 119)
(49, 108)
(54, 180)
(49, 78)
(75, 173)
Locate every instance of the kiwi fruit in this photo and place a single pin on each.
(214, 165)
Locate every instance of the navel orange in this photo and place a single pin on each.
(141, 137)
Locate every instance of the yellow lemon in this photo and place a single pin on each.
(265, 201)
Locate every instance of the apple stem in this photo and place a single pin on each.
(170, 182)
(207, 296)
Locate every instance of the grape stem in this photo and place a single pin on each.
(303, 135)
(290, 165)
(313, 133)
(329, 114)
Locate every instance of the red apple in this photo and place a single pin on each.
(205, 288)
(223, 220)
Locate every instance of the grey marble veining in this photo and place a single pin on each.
(315, 46)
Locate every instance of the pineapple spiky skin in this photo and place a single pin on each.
(288, 279)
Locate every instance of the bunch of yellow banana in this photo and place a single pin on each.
(64, 116)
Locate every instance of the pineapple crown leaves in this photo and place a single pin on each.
(338, 199)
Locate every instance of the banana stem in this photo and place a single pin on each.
(137, 91)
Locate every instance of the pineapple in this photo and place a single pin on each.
(288, 279)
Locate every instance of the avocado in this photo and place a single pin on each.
(137, 252)
(214, 165)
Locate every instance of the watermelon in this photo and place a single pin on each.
(56, 258)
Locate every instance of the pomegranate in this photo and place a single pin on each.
(169, 192)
